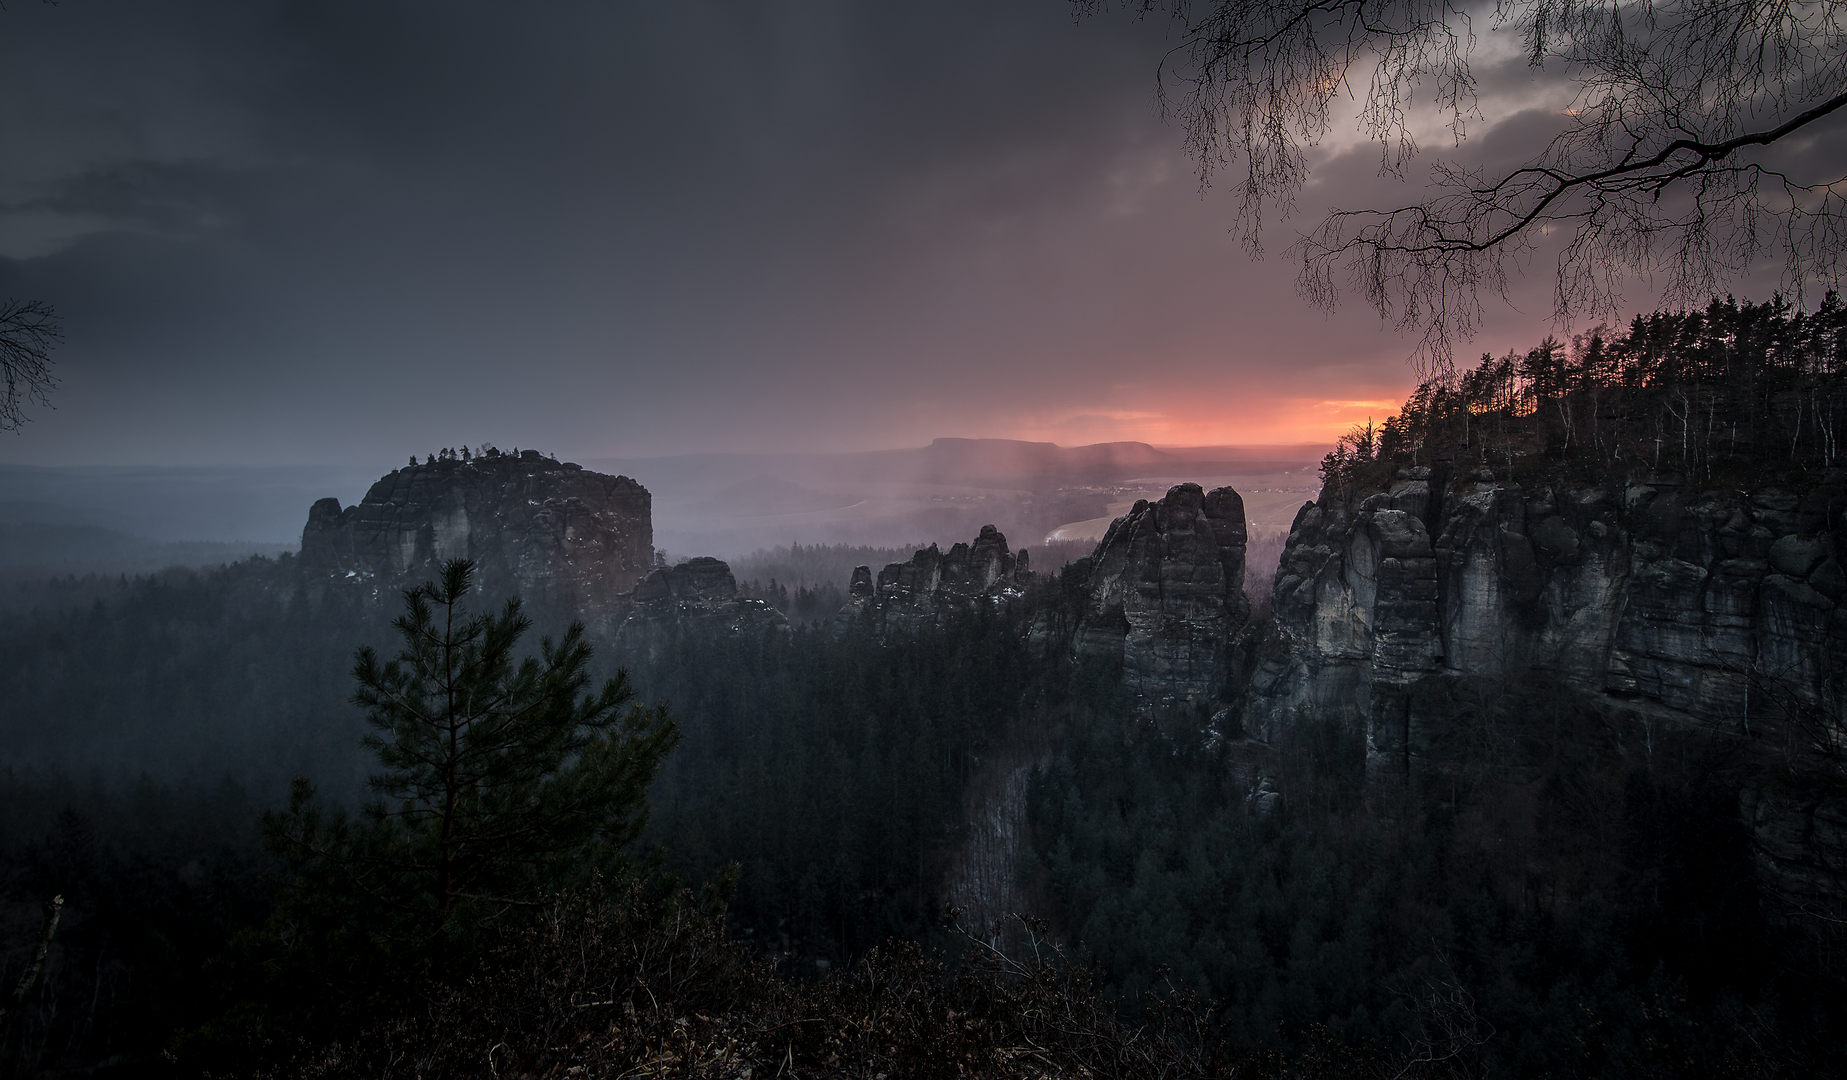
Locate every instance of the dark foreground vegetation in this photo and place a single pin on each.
(784, 909)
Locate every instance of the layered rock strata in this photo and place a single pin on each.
(551, 531)
(1166, 595)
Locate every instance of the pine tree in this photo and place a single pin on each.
(500, 781)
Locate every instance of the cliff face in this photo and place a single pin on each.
(1653, 607)
(1654, 598)
(553, 532)
(933, 581)
(1167, 594)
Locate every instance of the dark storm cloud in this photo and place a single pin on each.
(360, 207)
(347, 231)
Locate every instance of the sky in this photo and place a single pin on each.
(344, 232)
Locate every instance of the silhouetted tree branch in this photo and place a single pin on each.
(28, 331)
(1658, 171)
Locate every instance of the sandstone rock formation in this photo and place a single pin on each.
(1655, 595)
(1452, 615)
(1167, 594)
(933, 582)
(1653, 606)
(701, 580)
(552, 532)
(697, 596)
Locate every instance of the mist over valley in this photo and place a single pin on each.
(1019, 539)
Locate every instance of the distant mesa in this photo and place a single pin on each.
(1035, 459)
(552, 531)
(1013, 463)
(1034, 464)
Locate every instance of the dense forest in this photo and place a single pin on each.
(785, 910)
(1325, 915)
(831, 769)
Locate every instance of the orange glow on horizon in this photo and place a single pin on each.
(1238, 422)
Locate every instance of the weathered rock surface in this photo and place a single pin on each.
(696, 581)
(1656, 607)
(697, 596)
(1167, 594)
(935, 582)
(553, 532)
(1658, 596)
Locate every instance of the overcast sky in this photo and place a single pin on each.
(345, 232)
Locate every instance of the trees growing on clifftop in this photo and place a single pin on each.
(1702, 392)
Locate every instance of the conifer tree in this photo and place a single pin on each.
(500, 780)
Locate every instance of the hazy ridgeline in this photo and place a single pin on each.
(32, 552)
(808, 582)
(197, 674)
(811, 565)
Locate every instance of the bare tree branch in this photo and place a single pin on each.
(1660, 174)
(28, 331)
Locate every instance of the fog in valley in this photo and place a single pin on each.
(747, 539)
(65, 522)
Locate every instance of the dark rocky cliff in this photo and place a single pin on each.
(1166, 595)
(1655, 598)
(1467, 624)
(1454, 618)
(698, 596)
(553, 532)
(920, 591)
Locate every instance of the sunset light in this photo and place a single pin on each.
(1245, 420)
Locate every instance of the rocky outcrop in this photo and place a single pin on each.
(1655, 595)
(703, 580)
(934, 582)
(697, 596)
(551, 531)
(1166, 595)
(1653, 606)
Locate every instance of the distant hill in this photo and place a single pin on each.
(993, 463)
(729, 504)
(226, 503)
